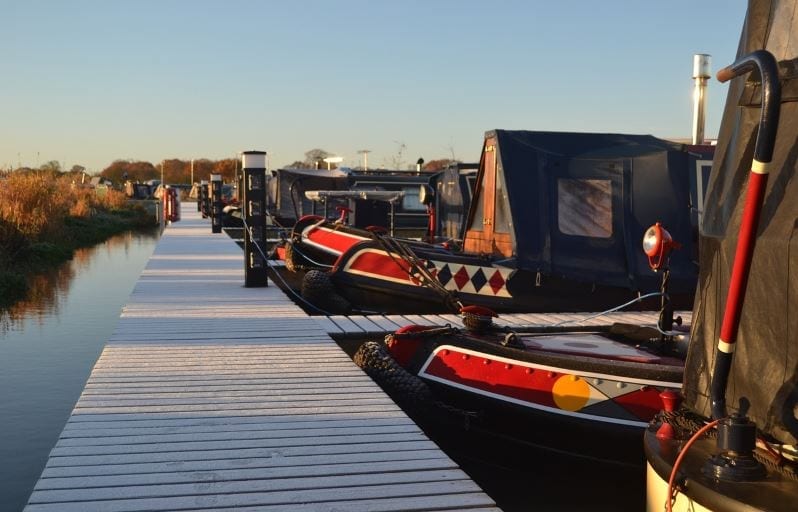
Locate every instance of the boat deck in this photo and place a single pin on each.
(212, 396)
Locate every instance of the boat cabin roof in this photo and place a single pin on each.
(578, 204)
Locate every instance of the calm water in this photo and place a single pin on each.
(48, 346)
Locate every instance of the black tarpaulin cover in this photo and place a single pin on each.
(765, 365)
(646, 180)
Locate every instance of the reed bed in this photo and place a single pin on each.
(45, 216)
(36, 204)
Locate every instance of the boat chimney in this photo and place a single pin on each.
(701, 64)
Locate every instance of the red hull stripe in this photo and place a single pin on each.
(557, 390)
(330, 240)
(373, 262)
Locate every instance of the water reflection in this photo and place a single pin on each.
(47, 289)
(48, 345)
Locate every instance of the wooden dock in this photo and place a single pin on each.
(379, 325)
(212, 396)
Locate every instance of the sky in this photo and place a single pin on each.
(89, 82)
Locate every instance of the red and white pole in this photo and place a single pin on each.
(757, 183)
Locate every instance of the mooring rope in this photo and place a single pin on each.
(276, 273)
(417, 267)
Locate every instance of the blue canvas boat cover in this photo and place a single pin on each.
(576, 205)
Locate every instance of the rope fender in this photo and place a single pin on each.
(408, 390)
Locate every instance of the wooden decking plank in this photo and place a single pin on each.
(365, 323)
(417, 320)
(228, 444)
(252, 385)
(455, 320)
(292, 460)
(328, 325)
(271, 485)
(346, 325)
(232, 435)
(302, 410)
(87, 434)
(245, 474)
(435, 320)
(158, 393)
(233, 453)
(284, 498)
(469, 502)
(383, 323)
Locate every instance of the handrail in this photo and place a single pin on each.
(766, 64)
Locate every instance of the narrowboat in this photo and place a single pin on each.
(553, 225)
(600, 383)
(731, 444)
(287, 199)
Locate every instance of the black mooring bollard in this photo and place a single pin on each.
(203, 198)
(216, 203)
(199, 196)
(254, 209)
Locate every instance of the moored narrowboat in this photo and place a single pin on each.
(554, 225)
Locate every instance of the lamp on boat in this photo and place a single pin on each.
(425, 194)
(657, 244)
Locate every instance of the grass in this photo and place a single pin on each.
(45, 216)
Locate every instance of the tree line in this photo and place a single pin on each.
(177, 171)
(173, 170)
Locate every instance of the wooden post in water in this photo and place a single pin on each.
(203, 198)
(216, 203)
(253, 204)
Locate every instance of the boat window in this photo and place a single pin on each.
(471, 180)
(501, 220)
(584, 207)
(410, 200)
(477, 222)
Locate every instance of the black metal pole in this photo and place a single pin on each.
(199, 196)
(216, 203)
(254, 209)
(203, 198)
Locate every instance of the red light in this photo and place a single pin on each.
(657, 244)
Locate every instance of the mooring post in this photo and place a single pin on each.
(203, 198)
(199, 196)
(254, 209)
(207, 203)
(168, 204)
(216, 203)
